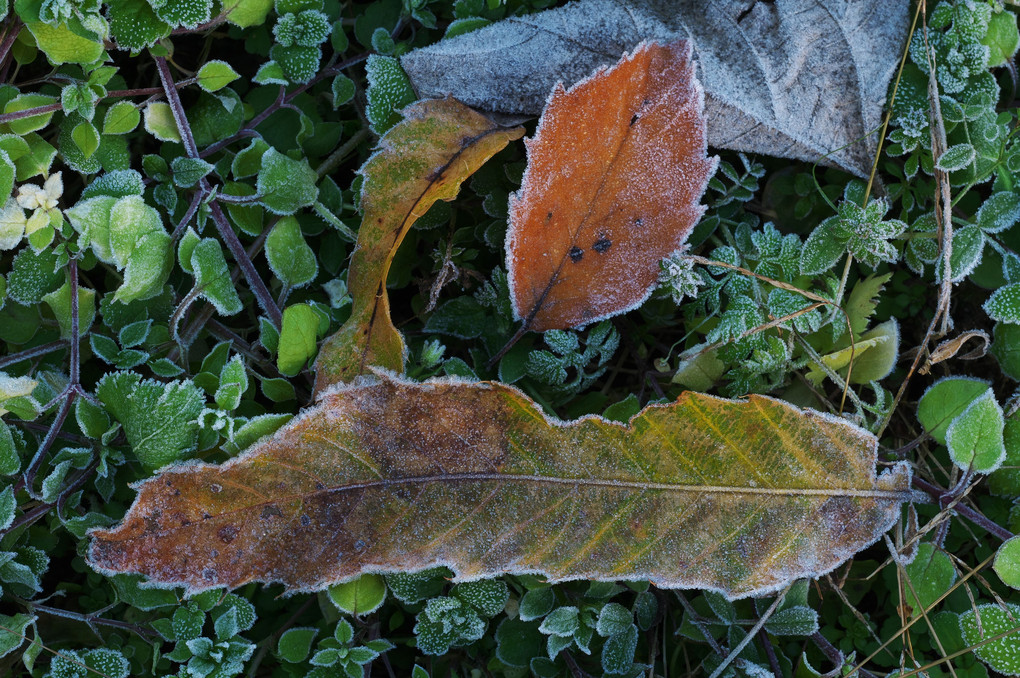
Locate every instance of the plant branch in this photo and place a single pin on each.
(947, 500)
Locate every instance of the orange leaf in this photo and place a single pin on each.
(615, 173)
(422, 159)
(386, 475)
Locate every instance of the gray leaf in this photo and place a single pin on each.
(790, 78)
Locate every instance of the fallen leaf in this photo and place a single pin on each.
(951, 347)
(421, 160)
(792, 78)
(615, 173)
(385, 475)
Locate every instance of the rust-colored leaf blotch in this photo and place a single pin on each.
(615, 174)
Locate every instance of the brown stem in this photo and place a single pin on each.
(947, 499)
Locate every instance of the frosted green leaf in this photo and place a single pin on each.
(285, 185)
(822, 249)
(91, 218)
(931, 573)
(975, 437)
(1004, 304)
(212, 277)
(225, 626)
(233, 384)
(142, 246)
(8, 504)
(135, 24)
(189, 171)
(562, 621)
(389, 90)
(1002, 655)
(295, 644)
(38, 159)
(245, 13)
(215, 75)
(248, 161)
(956, 158)
(59, 302)
(106, 662)
(86, 138)
(1000, 211)
(12, 631)
(160, 123)
(363, 595)
(1001, 38)
(343, 90)
(488, 596)
(12, 225)
(10, 461)
(270, 73)
(293, 262)
(968, 245)
(297, 338)
(186, 13)
(33, 275)
(92, 419)
(613, 618)
(944, 401)
(159, 419)
(536, 603)
(299, 63)
(216, 116)
(798, 620)
(24, 102)
(618, 652)
(6, 183)
(14, 390)
(187, 622)
(1007, 562)
(185, 248)
(58, 40)
(121, 118)
(116, 184)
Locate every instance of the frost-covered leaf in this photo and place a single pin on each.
(479, 461)
(841, 60)
(186, 13)
(295, 644)
(822, 249)
(24, 102)
(160, 123)
(189, 171)
(297, 338)
(1004, 304)
(444, 142)
(956, 158)
(212, 277)
(968, 246)
(134, 24)
(245, 13)
(215, 75)
(343, 90)
(1000, 211)
(59, 302)
(1007, 562)
(931, 573)
(285, 185)
(363, 595)
(944, 401)
(121, 118)
(974, 437)
(293, 262)
(582, 244)
(233, 384)
(12, 631)
(1002, 655)
(389, 91)
(32, 276)
(159, 419)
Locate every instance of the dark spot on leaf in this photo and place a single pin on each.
(215, 489)
(206, 516)
(602, 244)
(209, 574)
(576, 254)
(306, 520)
(319, 486)
(177, 492)
(214, 553)
(151, 524)
(360, 545)
(638, 221)
(270, 511)
(633, 119)
(227, 533)
(548, 216)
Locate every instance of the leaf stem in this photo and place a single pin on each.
(946, 500)
(34, 352)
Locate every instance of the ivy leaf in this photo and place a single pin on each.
(285, 185)
(807, 499)
(583, 246)
(159, 419)
(446, 141)
(292, 260)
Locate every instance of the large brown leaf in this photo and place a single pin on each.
(790, 78)
(737, 496)
(422, 159)
(615, 172)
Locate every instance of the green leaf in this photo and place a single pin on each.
(248, 161)
(185, 13)
(59, 302)
(798, 620)
(270, 73)
(121, 118)
(92, 419)
(613, 618)
(877, 362)
(215, 75)
(24, 102)
(86, 138)
(59, 41)
(975, 437)
(343, 90)
(823, 248)
(135, 24)
(1004, 304)
(536, 603)
(1000, 211)
(299, 63)
(10, 461)
(488, 596)
(12, 631)
(1002, 37)
(32, 276)
(944, 401)
(956, 158)
(860, 304)
(6, 180)
(389, 90)
(297, 338)
(159, 419)
(516, 643)
(293, 262)
(247, 13)
(295, 644)
(285, 185)
(212, 277)
(562, 621)
(968, 246)
(618, 652)
(189, 171)
(363, 595)
(1002, 655)
(159, 121)
(8, 505)
(233, 384)
(931, 573)
(1007, 562)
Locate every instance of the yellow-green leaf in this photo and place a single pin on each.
(419, 161)
(385, 475)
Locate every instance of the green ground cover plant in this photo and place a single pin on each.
(181, 199)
